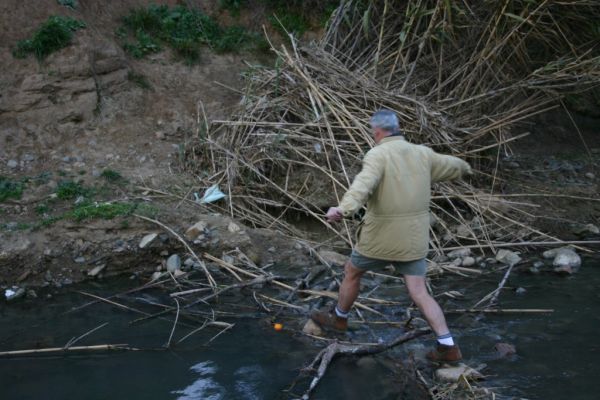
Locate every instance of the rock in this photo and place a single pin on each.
(566, 260)
(12, 164)
(272, 249)
(80, 260)
(195, 230)
(24, 275)
(159, 135)
(233, 227)
(311, 328)
(14, 293)
(96, 270)
(468, 262)
(178, 273)
(460, 253)
(589, 175)
(189, 262)
(32, 294)
(538, 264)
(505, 349)
(146, 240)
(520, 291)
(79, 200)
(332, 258)
(28, 157)
(589, 229)
(453, 374)
(463, 231)
(173, 263)
(507, 257)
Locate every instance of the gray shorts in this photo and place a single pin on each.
(416, 267)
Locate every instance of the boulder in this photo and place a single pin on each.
(332, 258)
(507, 257)
(566, 261)
(453, 374)
(195, 230)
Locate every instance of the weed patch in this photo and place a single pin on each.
(112, 176)
(68, 190)
(10, 189)
(52, 35)
(184, 30)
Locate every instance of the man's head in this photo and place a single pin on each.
(384, 123)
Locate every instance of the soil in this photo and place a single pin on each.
(82, 111)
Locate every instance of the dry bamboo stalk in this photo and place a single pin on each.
(49, 350)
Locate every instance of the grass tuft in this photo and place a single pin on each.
(68, 190)
(112, 176)
(10, 189)
(52, 35)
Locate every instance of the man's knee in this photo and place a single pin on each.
(351, 272)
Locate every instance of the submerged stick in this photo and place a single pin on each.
(99, 347)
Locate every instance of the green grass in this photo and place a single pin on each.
(42, 209)
(67, 190)
(112, 176)
(52, 35)
(102, 211)
(182, 29)
(10, 189)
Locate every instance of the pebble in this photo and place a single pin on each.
(12, 164)
(195, 230)
(589, 175)
(505, 349)
(520, 291)
(32, 294)
(566, 260)
(146, 240)
(156, 275)
(173, 263)
(460, 253)
(28, 157)
(311, 328)
(538, 264)
(80, 260)
(468, 262)
(233, 227)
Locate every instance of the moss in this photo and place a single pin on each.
(54, 34)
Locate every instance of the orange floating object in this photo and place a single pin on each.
(278, 326)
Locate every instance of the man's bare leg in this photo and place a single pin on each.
(430, 309)
(350, 287)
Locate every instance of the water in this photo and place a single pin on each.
(557, 353)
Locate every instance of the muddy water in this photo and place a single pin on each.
(557, 353)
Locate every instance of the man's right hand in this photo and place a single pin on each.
(334, 214)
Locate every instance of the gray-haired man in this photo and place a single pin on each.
(395, 183)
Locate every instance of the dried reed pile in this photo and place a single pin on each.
(460, 75)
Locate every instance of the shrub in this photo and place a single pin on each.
(54, 34)
(184, 30)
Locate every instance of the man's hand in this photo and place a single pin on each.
(334, 214)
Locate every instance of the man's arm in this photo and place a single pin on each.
(446, 168)
(363, 185)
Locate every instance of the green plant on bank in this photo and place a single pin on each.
(67, 190)
(112, 176)
(42, 209)
(139, 79)
(10, 189)
(52, 35)
(184, 30)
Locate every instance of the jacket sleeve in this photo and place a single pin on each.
(364, 183)
(446, 168)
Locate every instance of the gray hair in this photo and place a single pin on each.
(386, 120)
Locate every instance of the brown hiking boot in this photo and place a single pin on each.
(444, 353)
(329, 320)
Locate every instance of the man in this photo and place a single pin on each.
(395, 183)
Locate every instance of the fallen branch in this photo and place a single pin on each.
(325, 356)
(99, 347)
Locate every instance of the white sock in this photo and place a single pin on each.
(340, 314)
(446, 340)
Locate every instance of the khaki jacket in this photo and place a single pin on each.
(395, 182)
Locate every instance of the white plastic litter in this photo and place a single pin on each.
(212, 194)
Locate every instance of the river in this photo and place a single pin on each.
(556, 353)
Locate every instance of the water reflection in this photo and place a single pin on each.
(205, 387)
